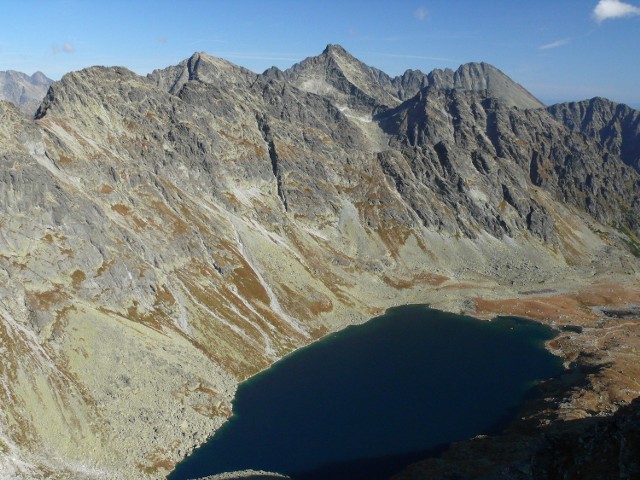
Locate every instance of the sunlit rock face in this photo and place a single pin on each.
(163, 237)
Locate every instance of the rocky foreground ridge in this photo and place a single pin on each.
(164, 237)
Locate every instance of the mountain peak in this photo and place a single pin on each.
(23, 90)
(484, 77)
(40, 78)
(345, 80)
(201, 67)
(334, 48)
(614, 125)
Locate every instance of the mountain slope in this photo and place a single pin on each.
(165, 237)
(487, 79)
(348, 82)
(22, 90)
(614, 125)
(457, 139)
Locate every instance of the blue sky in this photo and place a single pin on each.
(558, 49)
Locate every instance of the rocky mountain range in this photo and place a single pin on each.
(613, 125)
(23, 90)
(164, 237)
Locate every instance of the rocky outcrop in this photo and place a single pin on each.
(615, 126)
(452, 136)
(164, 237)
(589, 449)
(23, 90)
(345, 80)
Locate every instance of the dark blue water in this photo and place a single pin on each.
(366, 401)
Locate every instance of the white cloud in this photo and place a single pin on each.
(421, 13)
(556, 44)
(66, 48)
(614, 9)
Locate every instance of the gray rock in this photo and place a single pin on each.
(614, 125)
(23, 90)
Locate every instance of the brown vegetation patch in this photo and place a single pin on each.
(320, 270)
(64, 160)
(286, 151)
(46, 301)
(222, 304)
(127, 212)
(243, 276)
(149, 319)
(258, 150)
(77, 277)
(104, 266)
(232, 199)
(157, 465)
(423, 246)
(564, 307)
(375, 194)
(248, 283)
(466, 286)
(431, 279)
(178, 225)
(132, 126)
(393, 238)
(105, 189)
(307, 306)
(121, 209)
(189, 215)
(222, 343)
(610, 294)
(323, 305)
(164, 297)
(574, 307)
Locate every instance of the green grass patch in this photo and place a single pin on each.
(631, 240)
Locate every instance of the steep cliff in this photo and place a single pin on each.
(614, 125)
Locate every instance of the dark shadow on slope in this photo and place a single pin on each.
(540, 446)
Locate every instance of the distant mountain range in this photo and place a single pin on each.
(24, 91)
(164, 237)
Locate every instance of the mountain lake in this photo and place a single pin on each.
(365, 402)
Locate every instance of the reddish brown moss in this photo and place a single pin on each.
(77, 277)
